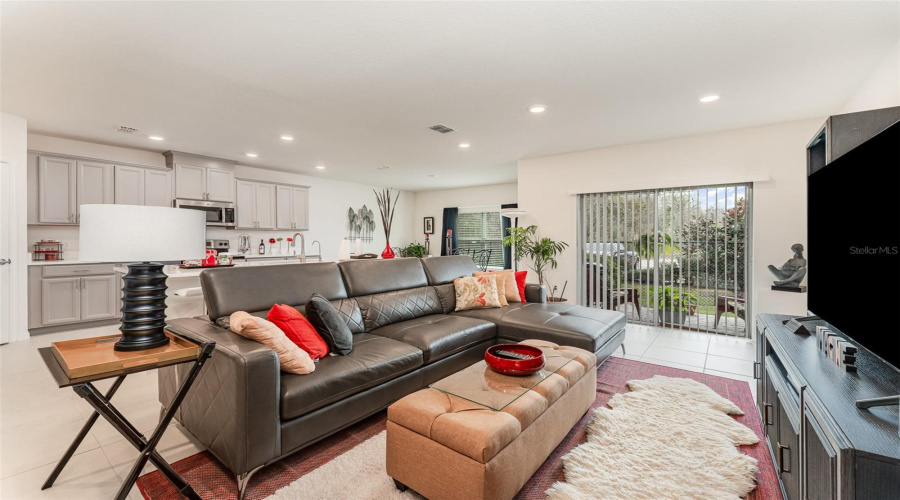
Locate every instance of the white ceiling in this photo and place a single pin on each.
(358, 84)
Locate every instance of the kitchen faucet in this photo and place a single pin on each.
(302, 255)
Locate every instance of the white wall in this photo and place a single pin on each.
(328, 201)
(779, 208)
(880, 88)
(433, 203)
(13, 149)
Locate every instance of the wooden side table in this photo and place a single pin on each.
(83, 386)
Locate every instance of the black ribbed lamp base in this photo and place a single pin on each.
(143, 308)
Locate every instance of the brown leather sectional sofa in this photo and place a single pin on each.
(249, 414)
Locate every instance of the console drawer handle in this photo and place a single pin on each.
(781, 449)
(766, 408)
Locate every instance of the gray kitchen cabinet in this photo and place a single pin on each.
(245, 207)
(94, 185)
(60, 301)
(72, 294)
(219, 184)
(265, 206)
(284, 207)
(158, 188)
(255, 205)
(190, 182)
(58, 186)
(143, 186)
(129, 185)
(98, 297)
(203, 183)
(300, 198)
(56, 190)
(292, 207)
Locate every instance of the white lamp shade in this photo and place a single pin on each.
(135, 233)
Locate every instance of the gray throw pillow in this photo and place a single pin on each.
(330, 325)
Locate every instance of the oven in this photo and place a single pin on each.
(219, 214)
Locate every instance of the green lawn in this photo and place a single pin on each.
(705, 296)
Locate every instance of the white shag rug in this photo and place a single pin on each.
(667, 438)
(357, 474)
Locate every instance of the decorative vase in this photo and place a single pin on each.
(388, 252)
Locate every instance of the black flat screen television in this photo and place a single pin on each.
(853, 254)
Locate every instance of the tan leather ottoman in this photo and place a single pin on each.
(445, 447)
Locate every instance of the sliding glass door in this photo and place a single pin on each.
(672, 257)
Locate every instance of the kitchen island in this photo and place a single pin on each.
(184, 295)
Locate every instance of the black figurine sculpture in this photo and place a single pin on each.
(791, 273)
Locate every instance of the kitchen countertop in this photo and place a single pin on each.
(174, 272)
(64, 263)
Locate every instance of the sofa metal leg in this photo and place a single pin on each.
(400, 486)
(244, 479)
(623, 348)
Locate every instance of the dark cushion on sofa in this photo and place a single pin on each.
(442, 270)
(258, 288)
(330, 324)
(439, 335)
(576, 326)
(366, 277)
(382, 309)
(373, 361)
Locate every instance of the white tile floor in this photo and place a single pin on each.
(39, 420)
(719, 355)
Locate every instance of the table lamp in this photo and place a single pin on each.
(145, 235)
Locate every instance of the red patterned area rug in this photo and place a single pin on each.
(211, 480)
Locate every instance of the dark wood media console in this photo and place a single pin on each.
(824, 447)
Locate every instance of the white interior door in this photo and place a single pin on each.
(5, 254)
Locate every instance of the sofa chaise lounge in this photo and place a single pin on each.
(406, 336)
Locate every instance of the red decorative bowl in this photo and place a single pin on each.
(515, 367)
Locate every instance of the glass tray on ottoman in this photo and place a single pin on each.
(481, 385)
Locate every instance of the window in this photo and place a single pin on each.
(480, 229)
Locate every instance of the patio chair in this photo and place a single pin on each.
(729, 304)
(614, 297)
(482, 258)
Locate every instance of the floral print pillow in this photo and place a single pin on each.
(476, 292)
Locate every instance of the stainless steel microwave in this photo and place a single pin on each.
(218, 213)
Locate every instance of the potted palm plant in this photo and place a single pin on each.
(675, 305)
(541, 251)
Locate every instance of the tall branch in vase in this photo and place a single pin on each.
(387, 206)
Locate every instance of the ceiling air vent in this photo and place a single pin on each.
(441, 128)
(127, 130)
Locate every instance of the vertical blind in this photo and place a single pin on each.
(673, 257)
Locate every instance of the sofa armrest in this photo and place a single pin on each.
(536, 293)
(233, 406)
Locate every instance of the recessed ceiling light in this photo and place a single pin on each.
(382, 167)
(156, 138)
(320, 167)
(709, 98)
(464, 144)
(287, 138)
(537, 108)
(252, 155)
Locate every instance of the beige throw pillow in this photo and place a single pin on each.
(476, 292)
(501, 286)
(509, 288)
(291, 358)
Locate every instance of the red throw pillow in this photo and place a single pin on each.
(520, 282)
(298, 329)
